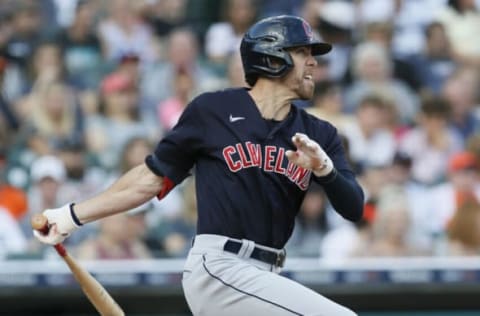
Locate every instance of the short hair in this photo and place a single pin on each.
(372, 100)
(430, 27)
(435, 106)
(370, 50)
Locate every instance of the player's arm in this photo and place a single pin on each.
(343, 191)
(166, 167)
(134, 188)
(137, 186)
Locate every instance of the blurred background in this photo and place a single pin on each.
(88, 87)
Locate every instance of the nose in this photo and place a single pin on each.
(312, 61)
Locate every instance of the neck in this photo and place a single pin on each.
(272, 101)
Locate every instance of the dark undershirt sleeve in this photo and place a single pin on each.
(341, 187)
(344, 193)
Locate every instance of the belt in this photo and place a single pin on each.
(264, 255)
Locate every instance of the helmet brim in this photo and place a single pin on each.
(320, 48)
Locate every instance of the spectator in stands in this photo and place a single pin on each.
(432, 142)
(12, 76)
(327, 105)
(463, 228)
(308, 10)
(336, 26)
(133, 152)
(408, 18)
(47, 175)
(371, 143)
(169, 111)
(12, 199)
(118, 238)
(460, 193)
(235, 74)
(223, 38)
(83, 177)
(278, 7)
(12, 239)
(129, 65)
(165, 16)
(81, 47)
(311, 225)
(461, 19)
(26, 30)
(373, 74)
(53, 119)
(399, 176)
(119, 121)
(346, 239)
(461, 91)
(45, 67)
(124, 31)
(382, 34)
(435, 63)
(473, 146)
(182, 54)
(391, 227)
(172, 236)
(9, 122)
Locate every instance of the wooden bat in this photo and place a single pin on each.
(94, 291)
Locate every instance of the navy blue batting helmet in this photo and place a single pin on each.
(267, 40)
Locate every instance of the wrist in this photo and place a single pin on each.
(63, 219)
(330, 177)
(73, 215)
(326, 168)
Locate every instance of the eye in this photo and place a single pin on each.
(302, 51)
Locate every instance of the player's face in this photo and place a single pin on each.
(300, 78)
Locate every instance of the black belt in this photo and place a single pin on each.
(267, 256)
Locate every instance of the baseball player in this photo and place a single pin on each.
(254, 155)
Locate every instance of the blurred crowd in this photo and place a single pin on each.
(88, 87)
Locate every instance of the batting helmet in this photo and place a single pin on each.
(267, 40)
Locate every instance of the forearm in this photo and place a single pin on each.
(345, 195)
(134, 188)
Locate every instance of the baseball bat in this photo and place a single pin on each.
(95, 292)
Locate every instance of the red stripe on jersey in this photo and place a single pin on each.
(167, 186)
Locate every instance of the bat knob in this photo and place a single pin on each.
(40, 223)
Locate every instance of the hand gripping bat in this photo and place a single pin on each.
(95, 292)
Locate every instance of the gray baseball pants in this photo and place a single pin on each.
(220, 283)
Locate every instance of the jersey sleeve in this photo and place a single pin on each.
(177, 152)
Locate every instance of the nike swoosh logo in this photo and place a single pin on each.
(235, 118)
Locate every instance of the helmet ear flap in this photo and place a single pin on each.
(275, 66)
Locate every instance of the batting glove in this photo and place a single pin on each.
(310, 155)
(61, 225)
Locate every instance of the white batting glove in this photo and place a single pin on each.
(310, 155)
(61, 225)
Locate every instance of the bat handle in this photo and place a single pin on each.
(40, 223)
